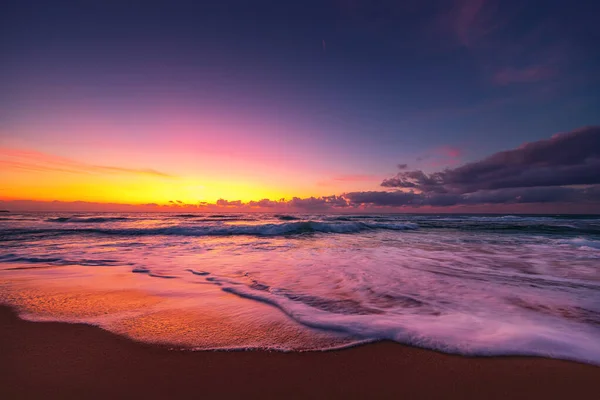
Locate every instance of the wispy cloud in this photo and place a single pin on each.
(507, 52)
(348, 178)
(31, 160)
(473, 20)
(143, 171)
(354, 178)
(438, 157)
(536, 73)
(465, 23)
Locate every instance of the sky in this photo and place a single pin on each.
(342, 105)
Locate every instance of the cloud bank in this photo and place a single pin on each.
(563, 168)
(565, 159)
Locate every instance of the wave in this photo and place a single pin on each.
(357, 218)
(212, 218)
(15, 258)
(451, 332)
(289, 228)
(346, 219)
(200, 273)
(216, 219)
(582, 243)
(287, 217)
(219, 225)
(503, 226)
(88, 219)
(153, 275)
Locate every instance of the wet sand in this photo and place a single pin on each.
(58, 360)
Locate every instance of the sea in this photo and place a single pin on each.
(475, 285)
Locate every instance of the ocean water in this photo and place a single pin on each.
(466, 284)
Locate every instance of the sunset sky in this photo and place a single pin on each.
(400, 105)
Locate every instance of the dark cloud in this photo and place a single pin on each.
(228, 203)
(266, 203)
(312, 203)
(562, 169)
(415, 180)
(532, 195)
(402, 166)
(397, 198)
(557, 194)
(335, 201)
(565, 159)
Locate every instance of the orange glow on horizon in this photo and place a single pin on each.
(38, 176)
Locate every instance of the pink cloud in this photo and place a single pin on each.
(32, 160)
(348, 178)
(450, 151)
(442, 156)
(229, 203)
(467, 22)
(355, 178)
(536, 73)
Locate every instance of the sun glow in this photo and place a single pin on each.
(33, 175)
(125, 189)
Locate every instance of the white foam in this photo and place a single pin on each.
(583, 243)
(459, 333)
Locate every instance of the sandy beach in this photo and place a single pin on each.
(57, 360)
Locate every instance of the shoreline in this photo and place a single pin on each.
(61, 360)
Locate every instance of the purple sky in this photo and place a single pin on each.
(152, 102)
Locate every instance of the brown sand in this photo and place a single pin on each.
(57, 360)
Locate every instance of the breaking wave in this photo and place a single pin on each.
(457, 332)
(289, 228)
(287, 217)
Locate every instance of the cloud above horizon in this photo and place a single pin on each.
(571, 158)
(563, 168)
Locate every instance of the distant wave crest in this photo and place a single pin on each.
(287, 217)
(87, 220)
(55, 260)
(269, 229)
